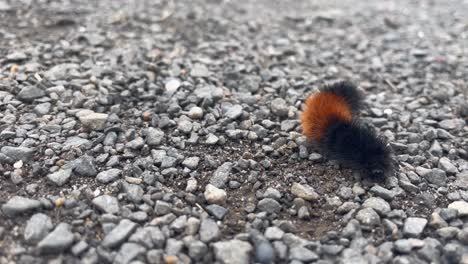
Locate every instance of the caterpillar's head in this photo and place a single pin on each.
(378, 162)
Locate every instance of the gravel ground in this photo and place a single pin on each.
(167, 132)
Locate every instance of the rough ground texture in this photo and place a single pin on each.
(166, 132)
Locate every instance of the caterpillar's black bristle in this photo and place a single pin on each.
(359, 147)
(348, 92)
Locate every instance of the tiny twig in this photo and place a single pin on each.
(394, 89)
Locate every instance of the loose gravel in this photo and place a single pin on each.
(167, 132)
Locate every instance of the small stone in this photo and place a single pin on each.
(437, 221)
(162, 208)
(448, 232)
(407, 245)
(60, 177)
(73, 142)
(171, 259)
(378, 204)
(211, 139)
(463, 236)
(383, 193)
(414, 226)
(139, 216)
(136, 144)
(195, 112)
(29, 93)
(460, 206)
(200, 70)
(452, 124)
(155, 256)
(269, 205)
(128, 252)
(288, 125)
(42, 109)
(168, 162)
(217, 211)
(279, 107)
(436, 149)
(191, 162)
(172, 85)
(79, 248)
(234, 112)
(58, 240)
(448, 213)
(59, 202)
(185, 126)
(303, 213)
(209, 230)
(193, 225)
(446, 165)
(134, 192)
(302, 254)
(304, 191)
(315, 157)
(437, 177)
(18, 153)
(85, 166)
(368, 216)
(37, 227)
(93, 121)
(192, 185)
(221, 175)
(264, 253)
(272, 193)
(179, 223)
(154, 136)
(107, 204)
(274, 233)
(232, 251)
(346, 193)
(18, 205)
(146, 116)
(108, 175)
(16, 55)
(119, 234)
(197, 249)
(215, 195)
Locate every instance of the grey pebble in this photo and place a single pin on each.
(302, 254)
(383, 192)
(128, 252)
(60, 177)
(18, 153)
(197, 249)
(60, 239)
(18, 205)
(107, 204)
(232, 251)
(29, 93)
(94, 121)
(414, 226)
(269, 205)
(234, 112)
(79, 248)
(37, 227)
(119, 234)
(108, 175)
(378, 204)
(191, 162)
(217, 211)
(368, 216)
(264, 252)
(209, 230)
(221, 176)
